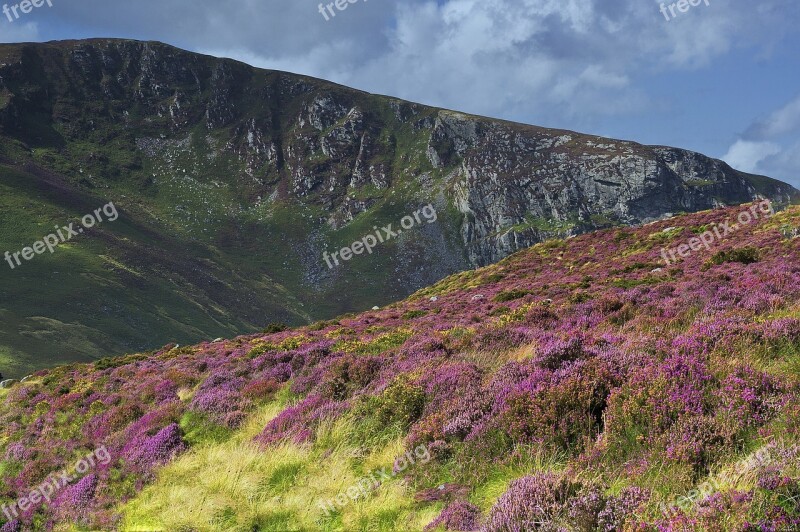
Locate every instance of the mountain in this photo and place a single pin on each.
(235, 186)
(581, 384)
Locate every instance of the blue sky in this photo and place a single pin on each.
(722, 78)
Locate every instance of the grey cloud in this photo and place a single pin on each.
(783, 121)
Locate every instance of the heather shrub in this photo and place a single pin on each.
(719, 505)
(383, 417)
(499, 339)
(776, 519)
(234, 420)
(297, 423)
(557, 352)
(348, 375)
(313, 377)
(218, 402)
(747, 398)
(35, 470)
(281, 372)
(150, 423)
(73, 502)
(260, 390)
(114, 419)
(315, 352)
(448, 492)
(466, 412)
(695, 440)
(145, 452)
(585, 507)
(562, 414)
(654, 399)
(788, 420)
(510, 295)
(540, 317)
(449, 383)
(745, 255)
(428, 429)
(507, 378)
(163, 390)
(181, 377)
(621, 508)
(14, 525)
(275, 328)
(15, 451)
(458, 515)
(538, 502)
(455, 339)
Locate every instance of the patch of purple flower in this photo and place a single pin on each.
(619, 509)
(531, 503)
(458, 515)
(145, 452)
(295, 422)
(73, 502)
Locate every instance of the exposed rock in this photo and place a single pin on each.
(513, 185)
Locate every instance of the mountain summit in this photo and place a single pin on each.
(234, 184)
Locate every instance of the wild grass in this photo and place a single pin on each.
(236, 485)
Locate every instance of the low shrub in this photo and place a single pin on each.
(510, 295)
(746, 255)
(537, 502)
(275, 328)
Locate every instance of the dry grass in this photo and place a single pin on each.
(235, 486)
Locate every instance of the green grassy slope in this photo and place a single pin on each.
(121, 286)
(232, 182)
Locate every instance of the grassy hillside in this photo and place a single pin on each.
(580, 384)
(117, 287)
(212, 242)
(233, 181)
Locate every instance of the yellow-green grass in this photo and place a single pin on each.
(236, 485)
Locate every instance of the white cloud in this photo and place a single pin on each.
(771, 146)
(786, 164)
(783, 121)
(564, 63)
(745, 155)
(556, 61)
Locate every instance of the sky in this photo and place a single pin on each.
(721, 78)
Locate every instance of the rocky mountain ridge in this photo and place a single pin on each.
(260, 172)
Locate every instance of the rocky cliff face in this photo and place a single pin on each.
(295, 138)
(264, 171)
